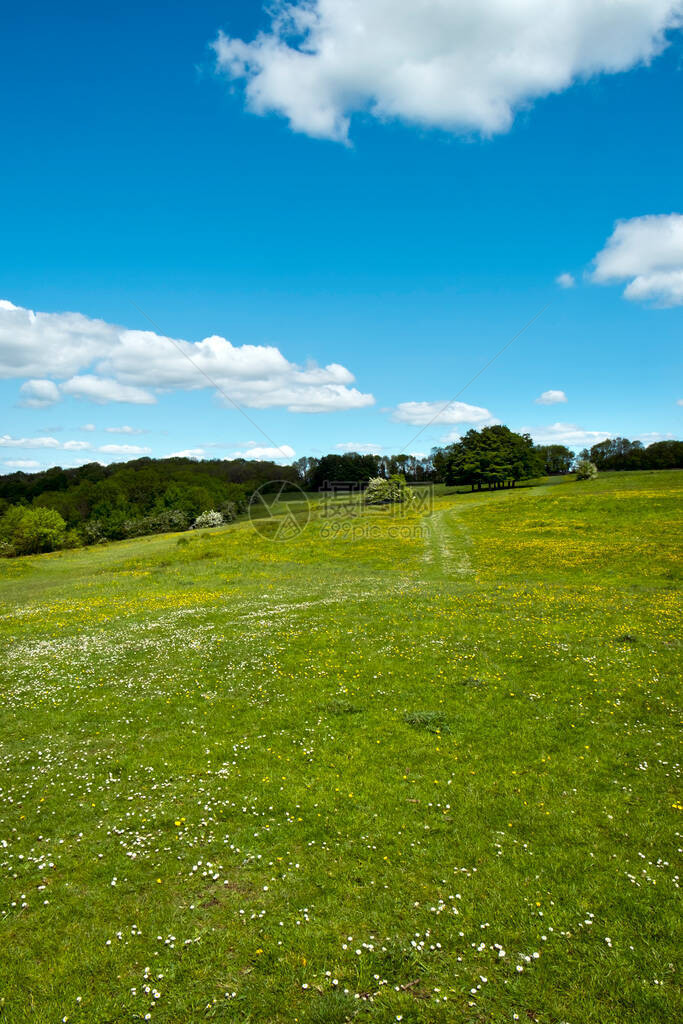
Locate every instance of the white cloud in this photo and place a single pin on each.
(459, 65)
(258, 376)
(362, 447)
(38, 394)
(576, 437)
(106, 389)
(651, 437)
(420, 414)
(89, 427)
(123, 430)
(188, 453)
(551, 398)
(22, 463)
(255, 451)
(648, 253)
(52, 344)
(565, 280)
(567, 433)
(28, 442)
(123, 449)
(6, 441)
(680, 401)
(105, 363)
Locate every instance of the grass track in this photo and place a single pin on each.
(236, 772)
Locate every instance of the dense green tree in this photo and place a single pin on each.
(664, 455)
(557, 458)
(305, 468)
(494, 456)
(30, 531)
(350, 468)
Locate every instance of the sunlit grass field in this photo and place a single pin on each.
(418, 767)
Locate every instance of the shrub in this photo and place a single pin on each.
(586, 470)
(170, 520)
(8, 527)
(207, 520)
(30, 531)
(386, 492)
(94, 532)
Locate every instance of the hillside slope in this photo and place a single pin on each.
(417, 766)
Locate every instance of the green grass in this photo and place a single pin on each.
(335, 778)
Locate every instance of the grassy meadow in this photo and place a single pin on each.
(418, 767)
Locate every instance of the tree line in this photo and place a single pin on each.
(66, 507)
(93, 503)
(619, 454)
(353, 467)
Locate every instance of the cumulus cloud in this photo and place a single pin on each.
(105, 363)
(565, 280)
(123, 449)
(551, 398)
(89, 427)
(459, 65)
(654, 435)
(28, 442)
(105, 389)
(52, 344)
(124, 430)
(648, 253)
(258, 376)
(38, 394)
(255, 451)
(420, 414)
(188, 453)
(22, 463)
(7, 441)
(569, 434)
(362, 447)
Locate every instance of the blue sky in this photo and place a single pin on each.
(406, 248)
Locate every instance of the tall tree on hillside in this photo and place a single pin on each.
(494, 456)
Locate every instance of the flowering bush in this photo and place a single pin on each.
(586, 470)
(208, 519)
(386, 492)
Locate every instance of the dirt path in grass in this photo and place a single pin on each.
(449, 545)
